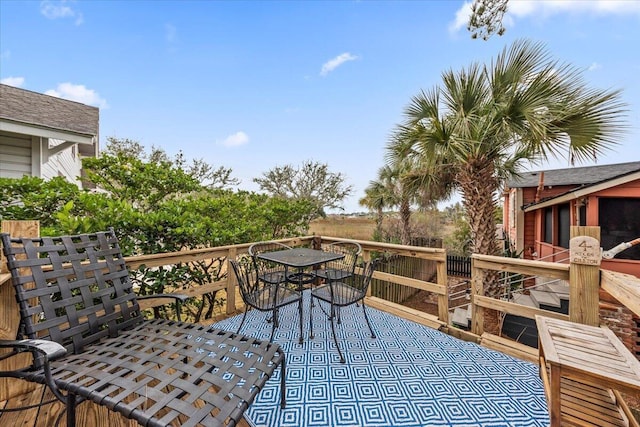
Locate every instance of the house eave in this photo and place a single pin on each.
(45, 132)
(583, 191)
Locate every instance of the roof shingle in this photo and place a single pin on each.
(578, 176)
(32, 108)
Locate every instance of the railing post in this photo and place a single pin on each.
(443, 300)
(477, 288)
(232, 282)
(366, 257)
(10, 317)
(584, 275)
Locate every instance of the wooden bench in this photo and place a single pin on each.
(584, 369)
(88, 340)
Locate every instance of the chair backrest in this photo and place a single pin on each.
(351, 252)
(74, 290)
(355, 286)
(261, 247)
(264, 266)
(251, 289)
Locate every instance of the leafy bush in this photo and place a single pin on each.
(156, 206)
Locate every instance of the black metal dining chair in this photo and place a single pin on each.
(342, 292)
(344, 267)
(270, 272)
(262, 294)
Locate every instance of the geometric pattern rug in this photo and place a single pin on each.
(410, 375)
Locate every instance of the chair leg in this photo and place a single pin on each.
(283, 383)
(71, 410)
(373, 335)
(244, 316)
(274, 325)
(311, 305)
(333, 332)
(300, 316)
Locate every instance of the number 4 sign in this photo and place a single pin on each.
(585, 250)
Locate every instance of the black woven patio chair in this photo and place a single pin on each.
(81, 321)
(261, 294)
(341, 293)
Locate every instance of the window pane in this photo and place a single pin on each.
(548, 225)
(619, 220)
(564, 225)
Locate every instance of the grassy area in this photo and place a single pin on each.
(358, 228)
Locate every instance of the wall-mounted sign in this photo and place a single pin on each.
(585, 250)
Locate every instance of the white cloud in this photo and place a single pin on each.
(78, 93)
(523, 8)
(594, 66)
(13, 81)
(537, 8)
(61, 9)
(334, 63)
(462, 17)
(235, 140)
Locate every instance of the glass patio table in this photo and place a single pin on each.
(299, 259)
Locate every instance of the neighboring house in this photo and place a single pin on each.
(540, 207)
(45, 136)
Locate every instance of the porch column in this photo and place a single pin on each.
(584, 275)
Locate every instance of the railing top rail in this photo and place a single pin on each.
(166, 258)
(624, 287)
(521, 262)
(368, 244)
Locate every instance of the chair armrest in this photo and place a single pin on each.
(177, 297)
(50, 349)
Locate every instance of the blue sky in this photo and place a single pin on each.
(251, 85)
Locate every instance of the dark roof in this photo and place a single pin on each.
(574, 176)
(32, 108)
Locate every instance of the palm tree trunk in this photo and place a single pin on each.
(478, 198)
(405, 219)
(379, 217)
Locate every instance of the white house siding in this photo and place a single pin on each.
(65, 163)
(15, 155)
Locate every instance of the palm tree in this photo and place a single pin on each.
(398, 163)
(384, 192)
(376, 198)
(485, 122)
(413, 185)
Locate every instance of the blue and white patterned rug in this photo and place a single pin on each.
(410, 375)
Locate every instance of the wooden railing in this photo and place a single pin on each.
(370, 249)
(480, 302)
